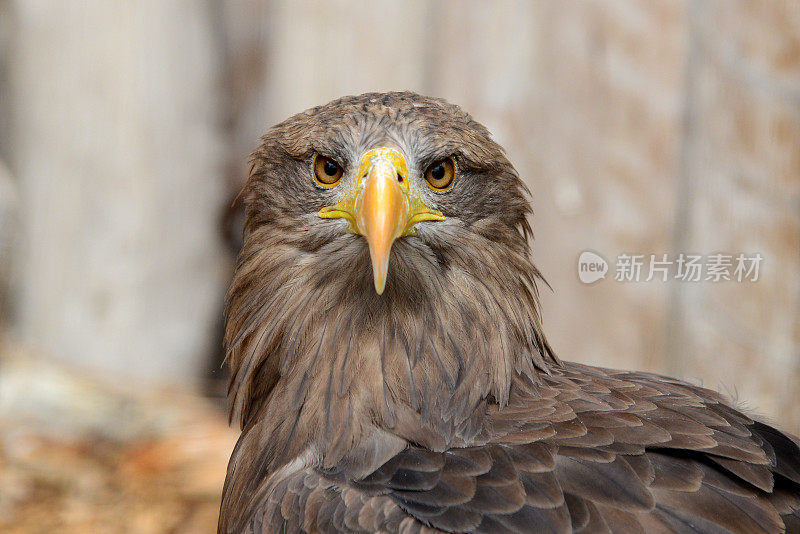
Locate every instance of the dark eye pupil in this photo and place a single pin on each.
(330, 168)
(437, 173)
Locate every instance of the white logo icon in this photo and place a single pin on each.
(591, 267)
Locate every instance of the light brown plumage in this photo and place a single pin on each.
(438, 405)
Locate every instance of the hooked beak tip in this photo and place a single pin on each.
(379, 251)
(380, 285)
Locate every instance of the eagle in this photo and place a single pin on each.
(389, 370)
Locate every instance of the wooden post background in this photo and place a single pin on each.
(640, 127)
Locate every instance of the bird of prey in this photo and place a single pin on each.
(390, 372)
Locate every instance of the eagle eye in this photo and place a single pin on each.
(326, 171)
(440, 174)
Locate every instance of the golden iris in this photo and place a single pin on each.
(440, 174)
(326, 171)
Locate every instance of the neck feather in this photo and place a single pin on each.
(316, 355)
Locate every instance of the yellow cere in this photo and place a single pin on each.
(416, 209)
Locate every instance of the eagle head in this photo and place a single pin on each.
(386, 259)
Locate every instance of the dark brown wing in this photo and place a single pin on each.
(310, 502)
(587, 450)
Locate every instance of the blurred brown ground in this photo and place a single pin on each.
(80, 455)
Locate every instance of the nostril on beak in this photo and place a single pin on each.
(399, 178)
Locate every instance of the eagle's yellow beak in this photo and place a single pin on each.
(382, 207)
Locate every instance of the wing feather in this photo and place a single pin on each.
(635, 455)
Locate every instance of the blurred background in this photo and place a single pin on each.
(647, 127)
